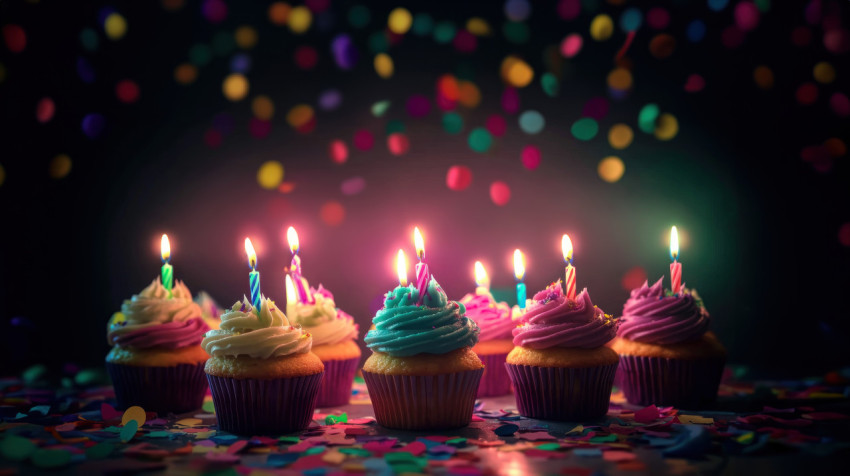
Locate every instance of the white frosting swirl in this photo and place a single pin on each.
(262, 335)
(152, 307)
(328, 324)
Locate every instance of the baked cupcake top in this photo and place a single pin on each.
(322, 319)
(209, 309)
(553, 320)
(261, 335)
(655, 316)
(155, 318)
(492, 317)
(438, 326)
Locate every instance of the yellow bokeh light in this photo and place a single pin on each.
(468, 94)
(262, 107)
(270, 175)
(60, 166)
(383, 65)
(824, 72)
(279, 13)
(516, 72)
(400, 21)
(115, 26)
(620, 79)
(185, 73)
(299, 115)
(602, 27)
(246, 37)
(667, 127)
(299, 20)
(235, 87)
(478, 26)
(620, 136)
(763, 76)
(611, 169)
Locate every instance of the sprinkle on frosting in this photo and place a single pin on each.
(553, 320)
(262, 335)
(438, 326)
(493, 318)
(322, 319)
(655, 316)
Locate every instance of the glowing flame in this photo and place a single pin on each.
(290, 290)
(401, 267)
(481, 277)
(674, 243)
(567, 248)
(292, 238)
(165, 248)
(519, 264)
(419, 243)
(252, 255)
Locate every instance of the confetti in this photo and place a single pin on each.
(134, 413)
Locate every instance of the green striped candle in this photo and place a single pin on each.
(167, 269)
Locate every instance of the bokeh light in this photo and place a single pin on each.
(480, 140)
(235, 87)
(44, 110)
(530, 157)
(571, 45)
(185, 73)
(279, 13)
(510, 100)
(338, 151)
(807, 93)
(516, 72)
(647, 117)
(363, 140)
(824, 72)
(602, 27)
(611, 169)
(93, 125)
(763, 77)
(452, 123)
(383, 65)
(301, 118)
(662, 46)
(458, 178)
(270, 174)
(398, 144)
(585, 129)
(843, 230)
(400, 21)
(352, 186)
(115, 26)
(359, 16)
(60, 166)
(531, 122)
(620, 79)
(299, 19)
(633, 278)
(127, 91)
(246, 37)
(667, 127)
(620, 136)
(262, 107)
(496, 125)
(469, 94)
(332, 213)
(500, 193)
(418, 106)
(15, 38)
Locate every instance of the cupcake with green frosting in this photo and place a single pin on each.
(423, 373)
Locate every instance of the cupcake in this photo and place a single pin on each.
(263, 377)
(667, 355)
(560, 367)
(423, 373)
(156, 361)
(494, 341)
(334, 342)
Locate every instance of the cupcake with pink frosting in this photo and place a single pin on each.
(667, 355)
(156, 361)
(560, 367)
(495, 340)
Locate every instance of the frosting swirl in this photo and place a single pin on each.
(157, 318)
(553, 320)
(403, 329)
(493, 318)
(262, 335)
(322, 319)
(655, 317)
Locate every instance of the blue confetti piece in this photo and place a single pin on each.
(690, 440)
(428, 443)
(279, 460)
(129, 431)
(506, 430)
(43, 409)
(588, 452)
(224, 439)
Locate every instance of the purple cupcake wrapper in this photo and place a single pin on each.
(434, 402)
(335, 389)
(566, 394)
(257, 407)
(665, 382)
(495, 380)
(177, 389)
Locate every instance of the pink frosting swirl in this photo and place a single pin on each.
(492, 317)
(652, 317)
(169, 335)
(553, 320)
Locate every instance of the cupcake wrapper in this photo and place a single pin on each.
(177, 389)
(256, 407)
(671, 382)
(495, 380)
(335, 389)
(556, 393)
(435, 402)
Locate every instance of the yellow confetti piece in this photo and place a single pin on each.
(333, 457)
(602, 27)
(667, 127)
(354, 467)
(134, 413)
(202, 435)
(695, 420)
(189, 422)
(746, 438)
(577, 430)
(517, 447)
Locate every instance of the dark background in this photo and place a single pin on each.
(760, 225)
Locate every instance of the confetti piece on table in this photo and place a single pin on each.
(49, 459)
(108, 412)
(128, 431)
(535, 436)
(588, 452)
(647, 415)
(695, 420)
(16, 448)
(188, 422)
(618, 456)
(134, 413)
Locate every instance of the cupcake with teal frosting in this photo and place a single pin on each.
(334, 341)
(423, 373)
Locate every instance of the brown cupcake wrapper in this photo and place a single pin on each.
(495, 380)
(434, 402)
(177, 389)
(565, 394)
(335, 389)
(690, 383)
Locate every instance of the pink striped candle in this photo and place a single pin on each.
(675, 266)
(570, 283)
(295, 267)
(423, 274)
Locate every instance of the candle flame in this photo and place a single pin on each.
(292, 238)
(290, 290)
(519, 264)
(419, 243)
(252, 255)
(567, 248)
(165, 248)
(401, 268)
(481, 277)
(674, 243)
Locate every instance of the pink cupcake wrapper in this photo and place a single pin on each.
(177, 389)
(557, 393)
(335, 389)
(434, 402)
(257, 407)
(495, 380)
(665, 382)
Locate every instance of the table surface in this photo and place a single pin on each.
(755, 428)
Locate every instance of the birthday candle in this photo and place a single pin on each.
(167, 270)
(675, 266)
(570, 283)
(519, 273)
(295, 267)
(481, 278)
(423, 274)
(253, 276)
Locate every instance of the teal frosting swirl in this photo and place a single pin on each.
(438, 326)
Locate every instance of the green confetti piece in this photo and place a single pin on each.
(549, 446)
(357, 452)
(33, 373)
(51, 458)
(289, 440)
(585, 128)
(99, 451)
(129, 431)
(159, 434)
(452, 123)
(315, 450)
(331, 419)
(647, 117)
(399, 456)
(359, 379)
(480, 140)
(380, 108)
(208, 406)
(456, 441)
(604, 439)
(16, 448)
(550, 85)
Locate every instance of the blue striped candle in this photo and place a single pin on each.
(253, 276)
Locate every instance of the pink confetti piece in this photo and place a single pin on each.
(222, 457)
(308, 462)
(768, 409)
(535, 436)
(378, 448)
(535, 453)
(417, 448)
(70, 426)
(108, 412)
(237, 447)
(476, 418)
(618, 456)
(647, 415)
(361, 421)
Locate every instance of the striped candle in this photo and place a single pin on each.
(253, 276)
(567, 250)
(167, 272)
(423, 274)
(675, 266)
(519, 273)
